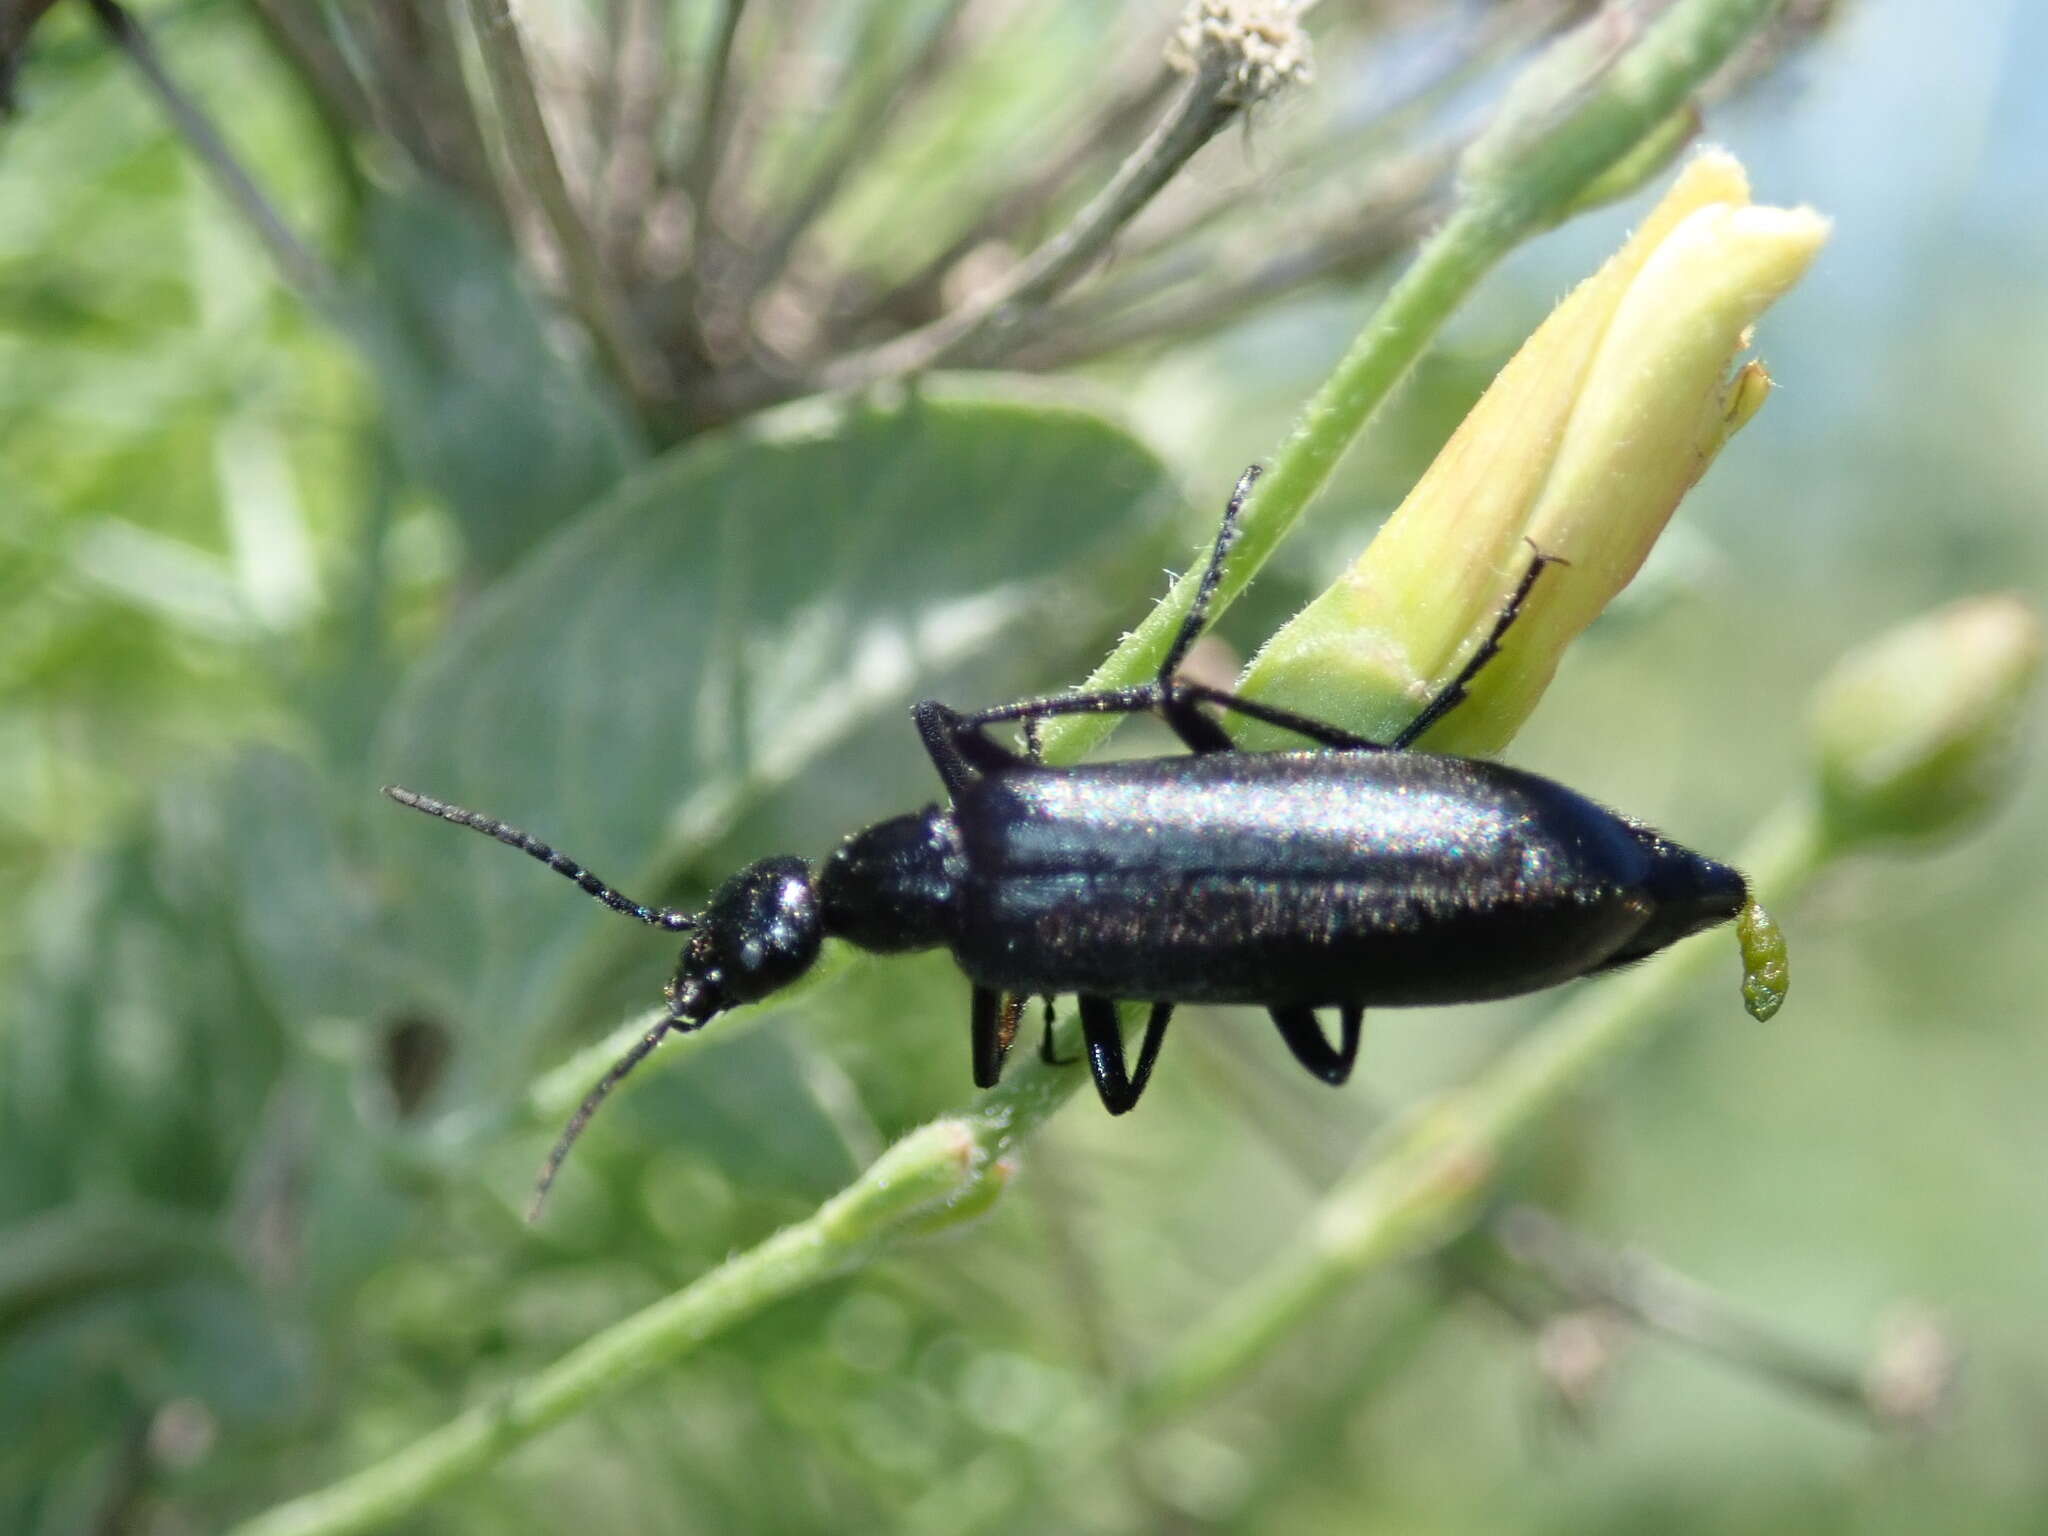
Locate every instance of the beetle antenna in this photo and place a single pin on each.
(642, 1048)
(655, 917)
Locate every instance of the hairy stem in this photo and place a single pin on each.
(918, 1176)
(1658, 1299)
(881, 102)
(701, 162)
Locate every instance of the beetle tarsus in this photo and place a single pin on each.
(1312, 1048)
(1455, 692)
(1102, 1030)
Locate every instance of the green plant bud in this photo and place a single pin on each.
(1582, 448)
(1918, 731)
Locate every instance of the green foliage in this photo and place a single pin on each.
(701, 651)
(485, 412)
(269, 1065)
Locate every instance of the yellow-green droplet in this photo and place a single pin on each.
(1765, 968)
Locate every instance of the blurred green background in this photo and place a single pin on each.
(260, 1176)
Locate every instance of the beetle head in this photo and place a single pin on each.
(759, 933)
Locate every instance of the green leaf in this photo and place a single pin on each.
(755, 613)
(137, 1076)
(305, 918)
(483, 406)
(138, 1056)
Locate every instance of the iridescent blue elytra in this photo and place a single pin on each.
(1309, 879)
(1355, 875)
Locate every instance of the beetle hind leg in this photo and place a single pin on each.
(1102, 1030)
(1312, 1048)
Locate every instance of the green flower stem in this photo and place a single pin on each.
(1424, 1180)
(913, 1181)
(944, 1172)
(1543, 159)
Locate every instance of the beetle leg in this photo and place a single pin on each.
(1453, 693)
(1114, 701)
(1008, 1018)
(985, 1016)
(1305, 1038)
(1321, 732)
(1198, 733)
(1212, 576)
(1177, 700)
(956, 748)
(1046, 1053)
(959, 740)
(1203, 734)
(1103, 1031)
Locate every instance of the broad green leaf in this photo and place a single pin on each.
(753, 614)
(485, 409)
(134, 1019)
(138, 1077)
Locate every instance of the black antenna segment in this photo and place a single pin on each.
(626, 1063)
(655, 917)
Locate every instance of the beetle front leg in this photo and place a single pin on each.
(960, 747)
(957, 751)
(1197, 732)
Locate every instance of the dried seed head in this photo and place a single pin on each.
(1259, 46)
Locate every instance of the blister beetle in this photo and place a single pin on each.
(1356, 874)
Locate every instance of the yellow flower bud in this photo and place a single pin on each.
(1582, 447)
(1918, 730)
